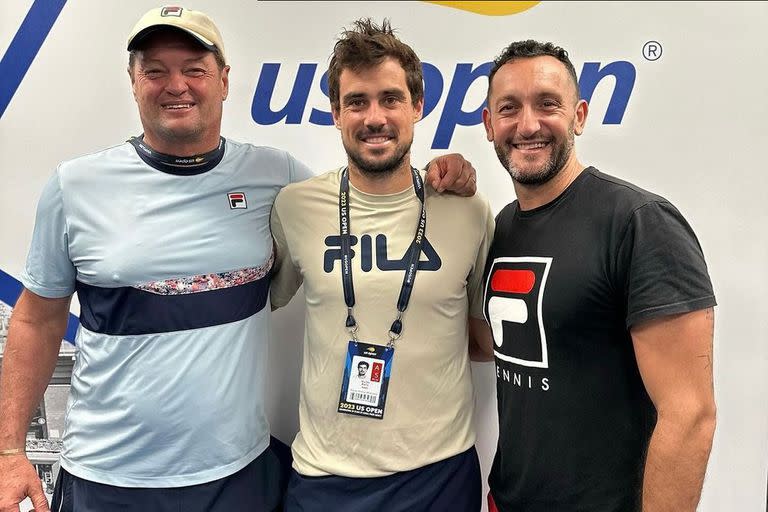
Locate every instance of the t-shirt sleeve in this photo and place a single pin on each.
(298, 170)
(286, 278)
(49, 272)
(475, 281)
(662, 265)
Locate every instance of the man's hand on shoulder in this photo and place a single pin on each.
(452, 173)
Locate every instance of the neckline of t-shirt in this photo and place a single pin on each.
(160, 161)
(405, 196)
(559, 199)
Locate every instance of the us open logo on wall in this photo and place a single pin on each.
(514, 294)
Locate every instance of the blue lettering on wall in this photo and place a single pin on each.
(322, 117)
(453, 113)
(623, 72)
(261, 108)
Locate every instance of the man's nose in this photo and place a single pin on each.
(177, 84)
(375, 116)
(529, 122)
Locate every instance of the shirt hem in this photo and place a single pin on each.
(671, 309)
(309, 470)
(164, 481)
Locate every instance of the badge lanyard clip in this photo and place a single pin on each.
(351, 324)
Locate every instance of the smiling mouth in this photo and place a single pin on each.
(530, 145)
(178, 106)
(376, 139)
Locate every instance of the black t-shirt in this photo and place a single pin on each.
(565, 282)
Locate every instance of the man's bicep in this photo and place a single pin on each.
(476, 279)
(38, 312)
(674, 356)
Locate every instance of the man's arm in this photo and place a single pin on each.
(34, 337)
(286, 279)
(480, 340)
(674, 355)
(452, 173)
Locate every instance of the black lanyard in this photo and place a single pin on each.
(346, 256)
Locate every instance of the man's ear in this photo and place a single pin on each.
(487, 124)
(580, 119)
(225, 82)
(336, 114)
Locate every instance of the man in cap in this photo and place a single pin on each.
(600, 309)
(166, 241)
(404, 267)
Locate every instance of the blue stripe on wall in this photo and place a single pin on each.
(10, 289)
(25, 45)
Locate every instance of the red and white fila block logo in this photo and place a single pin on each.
(514, 294)
(171, 11)
(237, 200)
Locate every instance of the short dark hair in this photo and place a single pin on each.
(363, 363)
(367, 45)
(529, 49)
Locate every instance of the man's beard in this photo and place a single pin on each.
(379, 168)
(186, 135)
(551, 168)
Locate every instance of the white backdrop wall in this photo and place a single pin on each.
(693, 131)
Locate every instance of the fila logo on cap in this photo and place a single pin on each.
(237, 200)
(514, 296)
(171, 11)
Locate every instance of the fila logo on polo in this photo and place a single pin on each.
(515, 293)
(237, 201)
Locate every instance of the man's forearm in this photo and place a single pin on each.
(480, 341)
(28, 363)
(677, 461)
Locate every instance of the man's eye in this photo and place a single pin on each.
(196, 72)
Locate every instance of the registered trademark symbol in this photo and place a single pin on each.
(652, 50)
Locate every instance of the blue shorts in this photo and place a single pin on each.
(256, 487)
(452, 485)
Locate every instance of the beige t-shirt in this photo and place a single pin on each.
(428, 414)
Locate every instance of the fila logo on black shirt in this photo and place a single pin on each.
(237, 200)
(514, 294)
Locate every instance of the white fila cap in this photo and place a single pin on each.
(195, 23)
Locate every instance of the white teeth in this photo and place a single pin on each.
(534, 145)
(376, 140)
(176, 107)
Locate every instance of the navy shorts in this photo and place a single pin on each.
(256, 487)
(452, 484)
